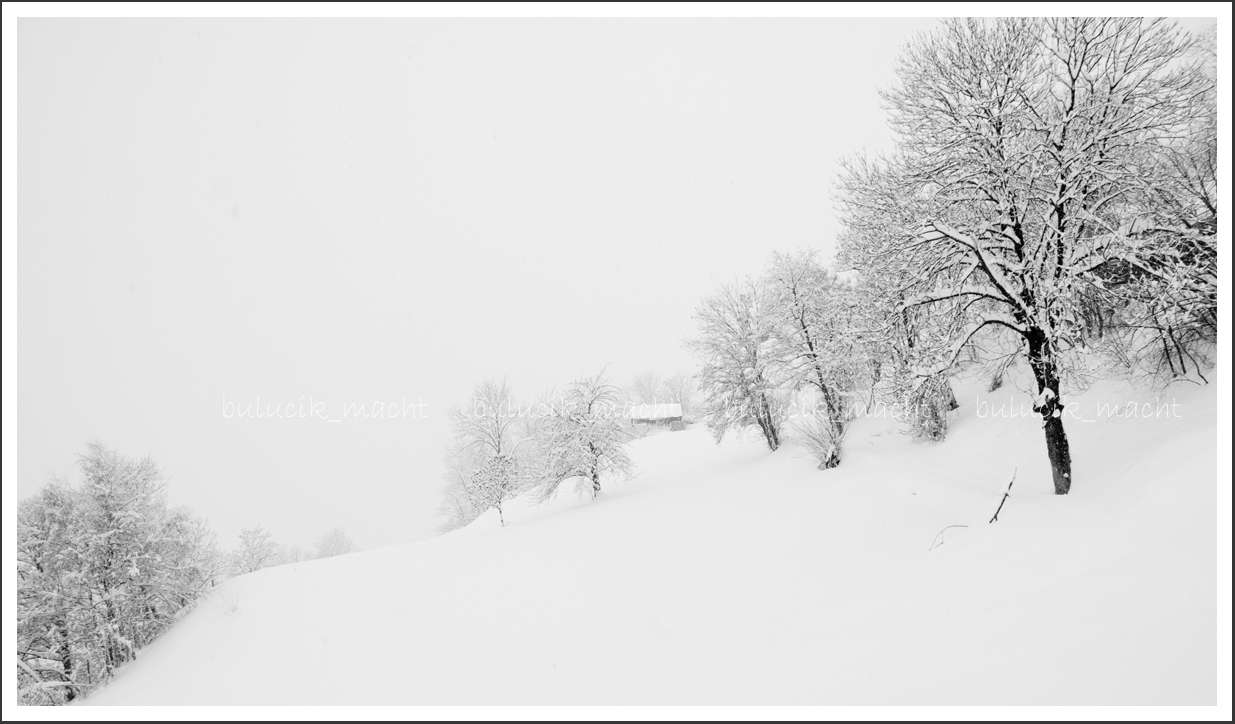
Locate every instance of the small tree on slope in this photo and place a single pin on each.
(499, 479)
(257, 551)
(482, 430)
(583, 437)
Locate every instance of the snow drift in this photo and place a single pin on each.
(730, 575)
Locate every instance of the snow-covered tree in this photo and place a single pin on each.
(291, 554)
(334, 542)
(1157, 312)
(1021, 158)
(737, 346)
(455, 510)
(53, 602)
(499, 479)
(123, 509)
(257, 551)
(197, 565)
(487, 434)
(583, 437)
(680, 388)
(102, 569)
(488, 422)
(814, 345)
(647, 387)
(904, 344)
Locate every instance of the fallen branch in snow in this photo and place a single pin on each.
(937, 541)
(1007, 491)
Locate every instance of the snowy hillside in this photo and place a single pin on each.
(731, 575)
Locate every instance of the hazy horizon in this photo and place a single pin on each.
(351, 211)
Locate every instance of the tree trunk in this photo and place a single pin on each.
(877, 373)
(1057, 451)
(1046, 373)
(835, 413)
(764, 417)
(595, 470)
(66, 657)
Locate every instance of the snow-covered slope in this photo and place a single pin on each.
(731, 575)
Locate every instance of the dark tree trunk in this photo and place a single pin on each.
(1046, 373)
(877, 371)
(766, 423)
(66, 658)
(836, 417)
(1057, 451)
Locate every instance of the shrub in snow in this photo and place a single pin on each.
(334, 542)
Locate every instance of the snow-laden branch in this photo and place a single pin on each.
(923, 299)
(989, 265)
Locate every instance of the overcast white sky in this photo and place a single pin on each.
(355, 210)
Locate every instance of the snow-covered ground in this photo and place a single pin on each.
(731, 575)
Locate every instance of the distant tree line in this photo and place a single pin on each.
(649, 387)
(257, 550)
